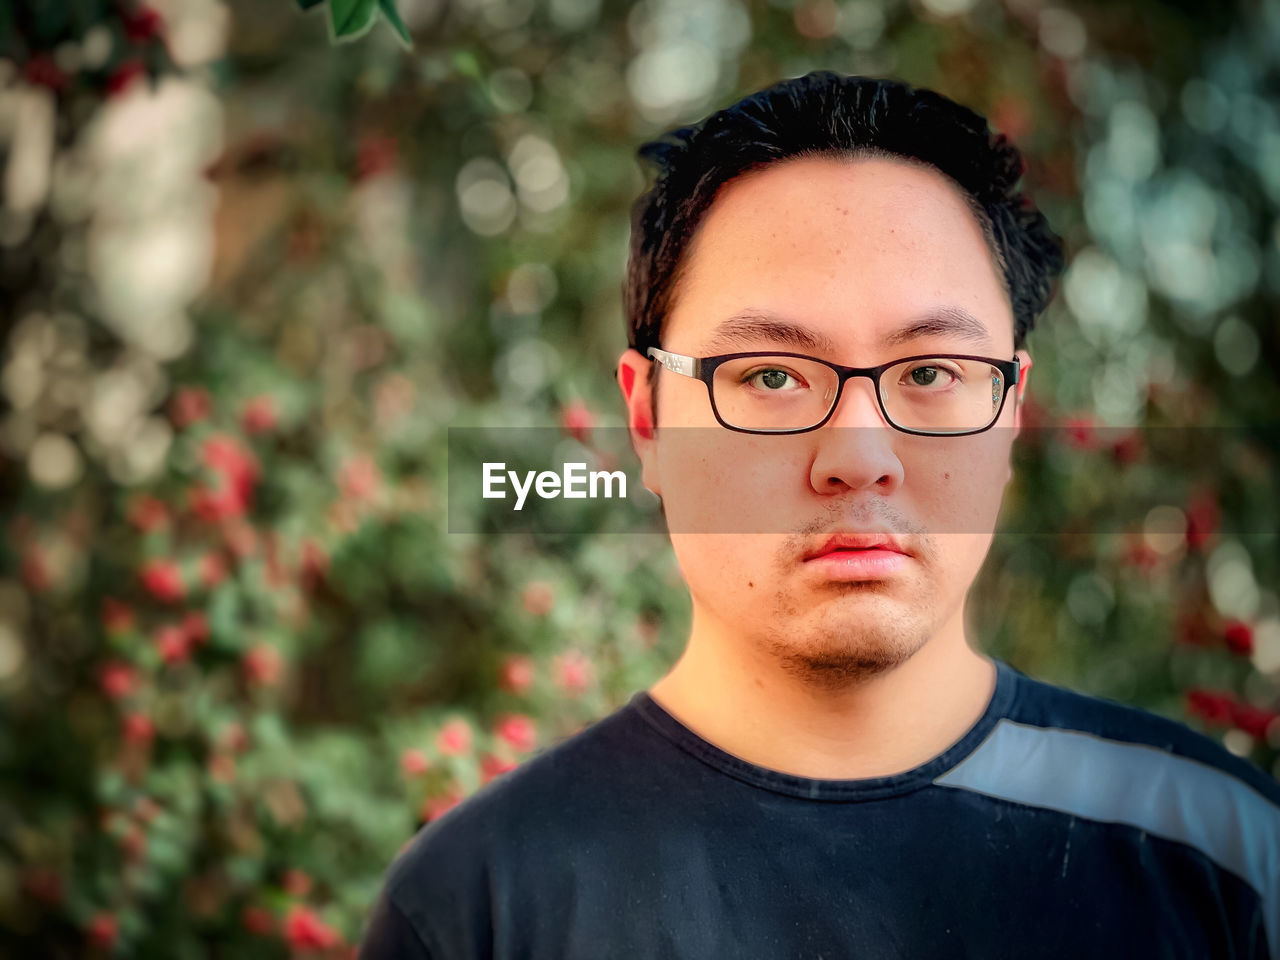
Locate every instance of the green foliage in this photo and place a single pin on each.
(388, 8)
(236, 675)
(352, 19)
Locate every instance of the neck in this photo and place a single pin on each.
(741, 700)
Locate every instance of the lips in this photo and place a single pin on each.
(855, 542)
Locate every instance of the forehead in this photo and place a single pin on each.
(851, 249)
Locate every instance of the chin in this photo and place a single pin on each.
(827, 663)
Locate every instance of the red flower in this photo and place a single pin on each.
(43, 885)
(538, 598)
(516, 674)
(493, 766)
(234, 737)
(41, 71)
(256, 920)
(1138, 553)
(1127, 449)
(295, 883)
(437, 806)
(577, 420)
(117, 679)
(313, 565)
(358, 478)
(1193, 628)
(102, 930)
(454, 738)
(1239, 637)
(518, 731)
(241, 538)
(134, 844)
(148, 513)
(276, 575)
(1254, 721)
(172, 643)
(213, 505)
(259, 415)
(573, 672)
(116, 616)
(146, 809)
(221, 767)
(393, 397)
(226, 455)
(235, 472)
(815, 19)
(142, 24)
(304, 930)
(196, 626)
(213, 569)
(35, 570)
(163, 580)
(1079, 432)
(414, 763)
(1011, 117)
(189, 405)
(263, 665)
(375, 156)
(1202, 520)
(122, 77)
(1210, 706)
(138, 728)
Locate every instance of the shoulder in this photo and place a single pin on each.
(1100, 728)
(1099, 759)
(467, 865)
(450, 865)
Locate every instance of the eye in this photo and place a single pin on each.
(772, 379)
(926, 375)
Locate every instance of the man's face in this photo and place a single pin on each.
(850, 253)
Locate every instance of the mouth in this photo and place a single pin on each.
(854, 557)
(848, 545)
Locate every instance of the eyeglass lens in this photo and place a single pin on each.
(938, 394)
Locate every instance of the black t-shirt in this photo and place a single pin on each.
(1059, 825)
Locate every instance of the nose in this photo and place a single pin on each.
(855, 448)
(858, 406)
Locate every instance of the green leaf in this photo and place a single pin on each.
(389, 11)
(308, 4)
(467, 64)
(349, 19)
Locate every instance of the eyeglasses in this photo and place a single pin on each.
(931, 395)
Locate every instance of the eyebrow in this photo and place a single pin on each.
(945, 321)
(751, 327)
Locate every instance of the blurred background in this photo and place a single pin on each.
(255, 260)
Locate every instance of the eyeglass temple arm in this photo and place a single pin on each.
(676, 363)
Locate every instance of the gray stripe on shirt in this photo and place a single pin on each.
(1138, 784)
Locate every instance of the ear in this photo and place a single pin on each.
(633, 381)
(1024, 369)
(1024, 375)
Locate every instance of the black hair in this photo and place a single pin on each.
(827, 114)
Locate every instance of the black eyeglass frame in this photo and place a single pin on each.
(704, 368)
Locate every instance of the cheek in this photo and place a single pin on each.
(719, 481)
(959, 558)
(961, 486)
(707, 558)
(727, 572)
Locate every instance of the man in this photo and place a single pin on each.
(830, 287)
